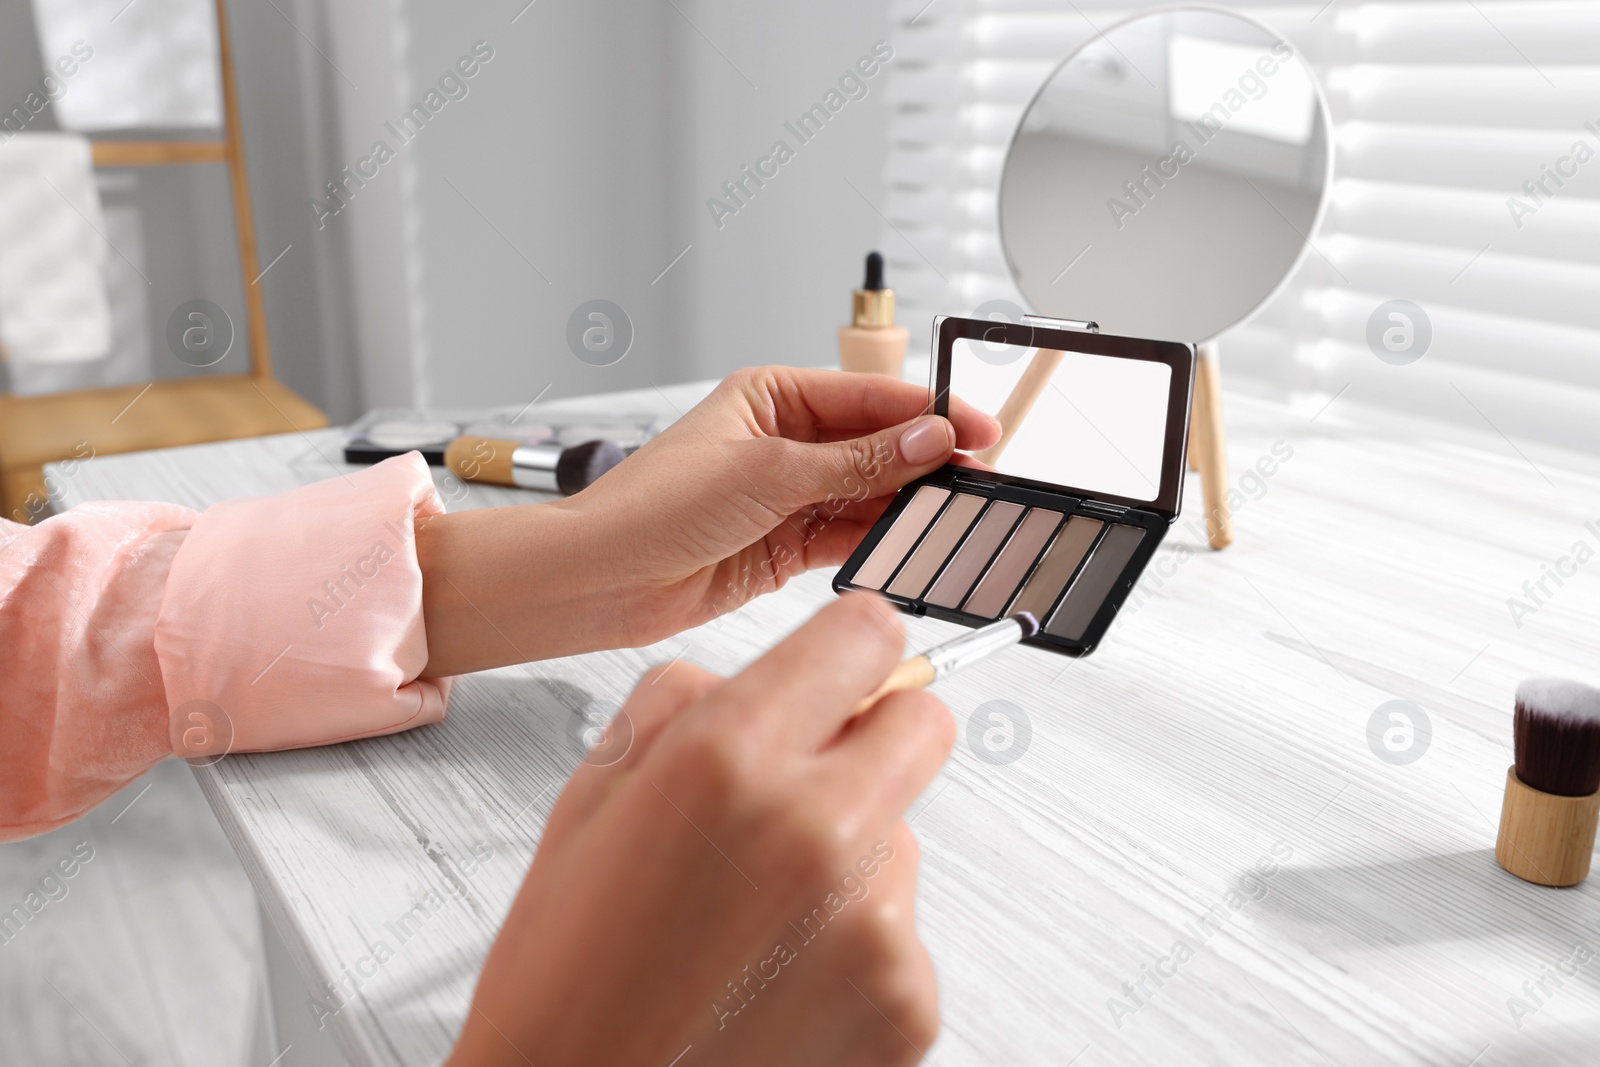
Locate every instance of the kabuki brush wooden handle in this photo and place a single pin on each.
(1544, 838)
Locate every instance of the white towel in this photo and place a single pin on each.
(152, 63)
(53, 304)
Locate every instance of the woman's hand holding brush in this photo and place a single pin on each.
(743, 871)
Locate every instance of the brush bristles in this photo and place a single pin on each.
(1558, 736)
(582, 465)
(1029, 624)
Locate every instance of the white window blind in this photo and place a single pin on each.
(1441, 112)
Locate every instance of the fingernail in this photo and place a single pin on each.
(925, 441)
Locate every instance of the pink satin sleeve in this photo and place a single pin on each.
(129, 632)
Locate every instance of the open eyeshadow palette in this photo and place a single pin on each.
(1060, 518)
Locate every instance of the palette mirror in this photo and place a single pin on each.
(1164, 182)
(1098, 424)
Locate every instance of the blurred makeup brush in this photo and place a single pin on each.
(1547, 824)
(919, 672)
(548, 468)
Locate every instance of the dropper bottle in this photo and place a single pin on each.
(872, 343)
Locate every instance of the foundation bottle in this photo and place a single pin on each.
(872, 343)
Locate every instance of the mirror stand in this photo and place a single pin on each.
(1258, 178)
(1208, 446)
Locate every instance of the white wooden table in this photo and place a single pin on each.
(1223, 724)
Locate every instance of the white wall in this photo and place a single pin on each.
(773, 283)
(585, 149)
(588, 148)
(576, 166)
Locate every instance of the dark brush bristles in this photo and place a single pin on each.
(582, 465)
(1029, 624)
(1558, 736)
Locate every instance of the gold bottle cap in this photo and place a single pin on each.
(873, 308)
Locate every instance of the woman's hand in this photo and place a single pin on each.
(737, 888)
(779, 470)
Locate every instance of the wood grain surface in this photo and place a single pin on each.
(1188, 852)
(148, 953)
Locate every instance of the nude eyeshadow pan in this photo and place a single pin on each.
(936, 548)
(1000, 583)
(1056, 568)
(897, 543)
(967, 565)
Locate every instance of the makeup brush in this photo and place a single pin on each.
(548, 468)
(919, 672)
(1547, 823)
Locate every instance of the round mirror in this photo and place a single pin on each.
(1168, 177)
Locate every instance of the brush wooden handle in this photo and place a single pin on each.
(914, 673)
(481, 459)
(1024, 394)
(1544, 838)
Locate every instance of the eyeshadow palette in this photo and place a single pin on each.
(1058, 519)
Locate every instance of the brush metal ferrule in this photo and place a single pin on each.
(969, 648)
(534, 467)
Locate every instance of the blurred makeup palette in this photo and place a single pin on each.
(388, 432)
